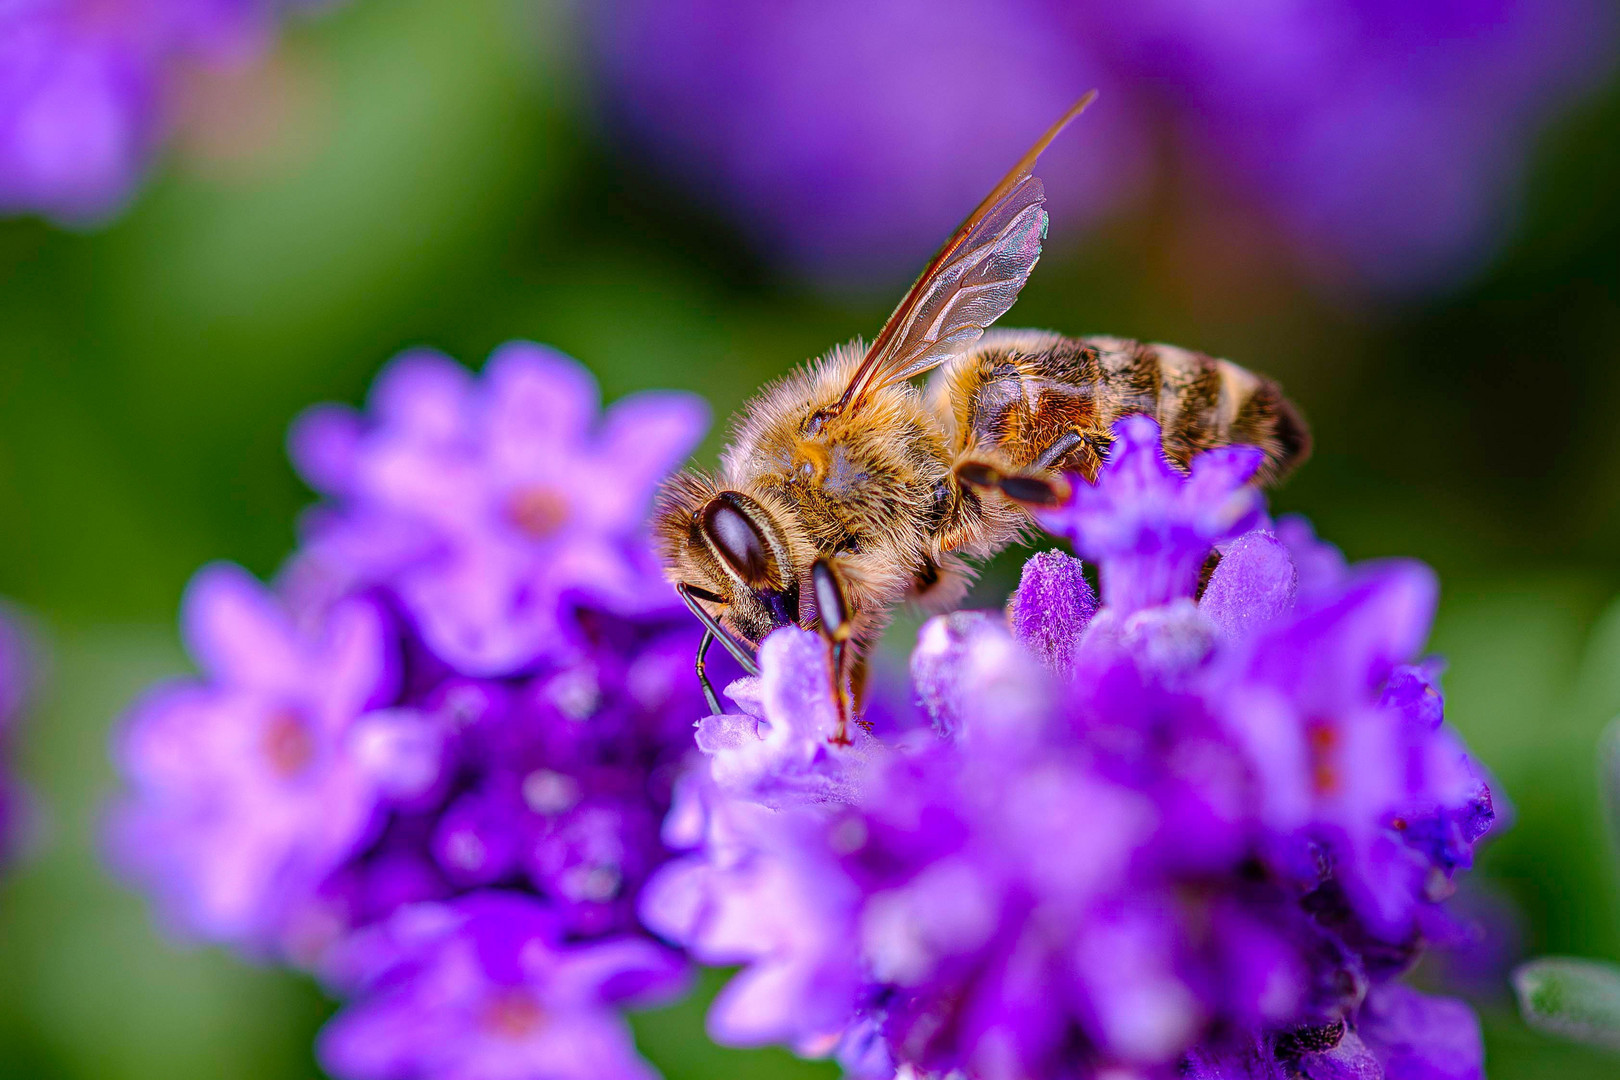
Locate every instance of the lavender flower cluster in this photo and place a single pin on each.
(431, 763)
(89, 90)
(846, 135)
(1195, 827)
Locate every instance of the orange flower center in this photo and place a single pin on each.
(537, 512)
(1322, 740)
(286, 744)
(513, 1014)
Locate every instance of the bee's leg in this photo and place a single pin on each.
(1035, 491)
(1057, 451)
(743, 655)
(855, 676)
(835, 666)
(703, 677)
(978, 474)
(1038, 485)
(1028, 489)
(832, 602)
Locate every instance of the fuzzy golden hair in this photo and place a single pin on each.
(876, 489)
(864, 489)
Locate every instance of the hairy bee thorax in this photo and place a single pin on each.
(863, 487)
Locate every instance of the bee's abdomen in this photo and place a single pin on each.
(1019, 393)
(1204, 402)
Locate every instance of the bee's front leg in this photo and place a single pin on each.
(832, 604)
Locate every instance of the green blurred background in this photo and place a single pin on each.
(435, 176)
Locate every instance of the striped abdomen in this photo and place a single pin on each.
(1018, 394)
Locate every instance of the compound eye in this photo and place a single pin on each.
(738, 541)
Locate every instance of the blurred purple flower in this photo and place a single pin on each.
(432, 766)
(1387, 139)
(248, 789)
(1148, 836)
(486, 988)
(488, 507)
(1400, 1035)
(850, 136)
(1415, 1037)
(88, 91)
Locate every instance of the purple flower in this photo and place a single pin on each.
(88, 91)
(248, 785)
(1319, 567)
(1254, 585)
(777, 749)
(1400, 1035)
(1200, 828)
(486, 988)
(1052, 607)
(762, 888)
(432, 767)
(1346, 737)
(772, 772)
(490, 506)
(1179, 831)
(942, 665)
(1150, 527)
(1384, 139)
(1422, 1038)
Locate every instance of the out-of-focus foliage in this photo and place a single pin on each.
(442, 181)
(1576, 998)
(1579, 999)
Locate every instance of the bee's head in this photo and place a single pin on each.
(732, 546)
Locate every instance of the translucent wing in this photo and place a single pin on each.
(969, 283)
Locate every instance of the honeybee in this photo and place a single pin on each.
(847, 490)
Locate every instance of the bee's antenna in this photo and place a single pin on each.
(742, 654)
(703, 676)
